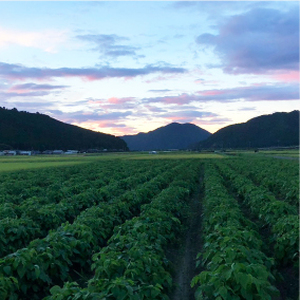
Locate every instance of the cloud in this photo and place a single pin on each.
(253, 93)
(30, 106)
(115, 100)
(188, 116)
(111, 122)
(80, 116)
(8, 95)
(179, 99)
(215, 121)
(113, 125)
(247, 109)
(258, 41)
(154, 109)
(20, 72)
(107, 44)
(207, 82)
(46, 40)
(117, 129)
(112, 103)
(21, 88)
(289, 76)
(249, 93)
(28, 90)
(160, 91)
(192, 114)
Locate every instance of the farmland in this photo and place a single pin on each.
(14, 163)
(141, 226)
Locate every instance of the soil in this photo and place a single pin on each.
(184, 257)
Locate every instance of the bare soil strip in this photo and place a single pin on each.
(184, 258)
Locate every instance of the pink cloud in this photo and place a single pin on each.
(212, 92)
(256, 92)
(92, 101)
(124, 131)
(16, 90)
(180, 100)
(115, 100)
(291, 76)
(182, 119)
(106, 126)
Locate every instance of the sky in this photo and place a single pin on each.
(123, 67)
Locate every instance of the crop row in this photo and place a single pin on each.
(279, 176)
(52, 260)
(281, 217)
(54, 184)
(133, 266)
(235, 266)
(37, 219)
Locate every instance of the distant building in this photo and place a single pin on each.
(93, 151)
(47, 152)
(71, 152)
(36, 152)
(24, 153)
(58, 152)
(10, 152)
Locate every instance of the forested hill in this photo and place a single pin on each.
(172, 136)
(29, 131)
(280, 129)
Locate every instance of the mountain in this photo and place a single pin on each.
(172, 136)
(29, 131)
(280, 129)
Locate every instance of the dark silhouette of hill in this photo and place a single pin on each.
(280, 129)
(29, 131)
(172, 136)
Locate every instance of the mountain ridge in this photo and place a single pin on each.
(172, 136)
(279, 129)
(35, 131)
(29, 131)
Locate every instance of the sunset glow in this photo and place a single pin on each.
(123, 67)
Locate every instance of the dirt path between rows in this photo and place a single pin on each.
(184, 259)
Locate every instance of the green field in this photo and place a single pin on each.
(177, 225)
(289, 153)
(14, 163)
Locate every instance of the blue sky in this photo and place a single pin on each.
(123, 67)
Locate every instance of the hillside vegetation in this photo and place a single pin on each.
(280, 129)
(172, 136)
(23, 130)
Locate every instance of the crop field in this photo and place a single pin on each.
(279, 153)
(178, 226)
(14, 163)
